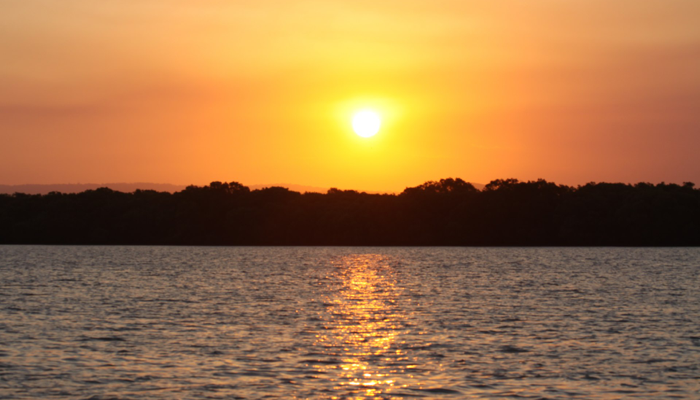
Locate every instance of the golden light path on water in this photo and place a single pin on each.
(363, 324)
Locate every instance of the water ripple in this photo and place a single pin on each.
(348, 323)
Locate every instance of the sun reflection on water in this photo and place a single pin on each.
(362, 325)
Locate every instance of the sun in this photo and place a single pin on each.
(366, 123)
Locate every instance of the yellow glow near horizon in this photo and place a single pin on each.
(366, 123)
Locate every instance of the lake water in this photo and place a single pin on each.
(348, 323)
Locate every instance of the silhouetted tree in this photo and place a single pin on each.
(446, 212)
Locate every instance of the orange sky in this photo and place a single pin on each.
(256, 91)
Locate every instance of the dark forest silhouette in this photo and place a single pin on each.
(448, 212)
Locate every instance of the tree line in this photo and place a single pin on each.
(449, 212)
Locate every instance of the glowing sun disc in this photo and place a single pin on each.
(366, 123)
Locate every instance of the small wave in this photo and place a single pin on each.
(104, 339)
(438, 391)
(513, 349)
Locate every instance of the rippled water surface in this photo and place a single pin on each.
(325, 323)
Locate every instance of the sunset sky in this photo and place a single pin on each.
(259, 91)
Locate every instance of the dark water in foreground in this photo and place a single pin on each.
(323, 323)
